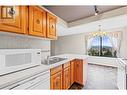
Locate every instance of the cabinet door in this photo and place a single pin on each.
(79, 71)
(51, 26)
(13, 19)
(66, 78)
(72, 72)
(56, 81)
(37, 21)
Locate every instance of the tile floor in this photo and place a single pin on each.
(101, 78)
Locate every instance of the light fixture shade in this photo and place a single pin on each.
(100, 32)
(96, 10)
(96, 14)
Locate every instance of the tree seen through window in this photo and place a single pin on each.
(101, 46)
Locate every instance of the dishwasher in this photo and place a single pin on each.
(125, 62)
(122, 75)
(37, 82)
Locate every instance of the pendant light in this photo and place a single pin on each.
(99, 32)
(96, 10)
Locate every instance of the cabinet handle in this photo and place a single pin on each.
(52, 26)
(56, 83)
(38, 21)
(11, 11)
(38, 53)
(14, 86)
(77, 65)
(57, 80)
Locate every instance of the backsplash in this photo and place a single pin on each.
(12, 40)
(16, 41)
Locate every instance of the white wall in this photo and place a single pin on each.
(69, 44)
(123, 50)
(76, 44)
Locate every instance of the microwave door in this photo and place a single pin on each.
(18, 61)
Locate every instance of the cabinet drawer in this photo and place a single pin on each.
(28, 82)
(56, 69)
(45, 84)
(66, 65)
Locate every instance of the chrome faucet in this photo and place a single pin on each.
(48, 59)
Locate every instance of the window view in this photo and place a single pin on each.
(101, 46)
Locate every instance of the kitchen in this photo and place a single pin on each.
(40, 50)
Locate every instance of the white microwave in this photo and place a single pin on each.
(12, 60)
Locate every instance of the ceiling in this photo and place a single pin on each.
(73, 13)
(111, 24)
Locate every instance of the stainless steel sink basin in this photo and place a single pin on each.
(53, 60)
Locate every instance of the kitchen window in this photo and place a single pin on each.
(104, 46)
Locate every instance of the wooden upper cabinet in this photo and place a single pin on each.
(79, 71)
(13, 19)
(31, 20)
(51, 26)
(37, 21)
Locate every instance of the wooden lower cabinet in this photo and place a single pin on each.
(56, 78)
(79, 71)
(72, 72)
(66, 77)
(56, 81)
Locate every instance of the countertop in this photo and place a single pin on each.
(123, 61)
(12, 78)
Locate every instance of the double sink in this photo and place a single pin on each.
(53, 60)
